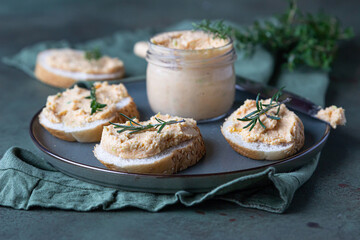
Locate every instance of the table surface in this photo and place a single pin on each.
(326, 207)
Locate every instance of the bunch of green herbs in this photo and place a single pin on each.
(295, 37)
(93, 54)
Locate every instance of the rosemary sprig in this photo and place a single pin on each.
(294, 37)
(262, 108)
(95, 106)
(137, 127)
(94, 54)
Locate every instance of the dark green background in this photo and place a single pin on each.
(326, 207)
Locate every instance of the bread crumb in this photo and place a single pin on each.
(333, 115)
(141, 48)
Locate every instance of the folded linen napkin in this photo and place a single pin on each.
(28, 181)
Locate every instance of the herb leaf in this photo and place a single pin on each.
(297, 38)
(137, 127)
(254, 116)
(219, 29)
(94, 105)
(262, 124)
(94, 54)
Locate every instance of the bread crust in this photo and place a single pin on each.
(129, 110)
(178, 160)
(89, 135)
(60, 81)
(141, 48)
(94, 134)
(262, 155)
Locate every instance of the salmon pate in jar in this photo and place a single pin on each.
(191, 74)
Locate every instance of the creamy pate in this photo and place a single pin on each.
(189, 40)
(277, 132)
(333, 115)
(75, 61)
(72, 108)
(148, 143)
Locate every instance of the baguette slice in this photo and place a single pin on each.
(176, 147)
(262, 151)
(170, 161)
(64, 79)
(141, 48)
(90, 131)
(273, 139)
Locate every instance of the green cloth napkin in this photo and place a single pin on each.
(28, 181)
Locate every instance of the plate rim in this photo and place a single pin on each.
(71, 162)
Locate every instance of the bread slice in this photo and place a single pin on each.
(64, 79)
(91, 132)
(259, 150)
(141, 48)
(170, 161)
(160, 149)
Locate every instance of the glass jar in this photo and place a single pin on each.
(198, 84)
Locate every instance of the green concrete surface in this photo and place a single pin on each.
(326, 207)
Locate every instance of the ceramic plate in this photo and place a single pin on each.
(221, 163)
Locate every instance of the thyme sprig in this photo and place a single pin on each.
(296, 38)
(219, 29)
(93, 54)
(94, 105)
(137, 127)
(262, 108)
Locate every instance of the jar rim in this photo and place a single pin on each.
(161, 47)
(165, 56)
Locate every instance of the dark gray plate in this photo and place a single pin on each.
(221, 163)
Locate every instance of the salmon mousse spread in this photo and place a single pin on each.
(191, 74)
(79, 114)
(148, 143)
(74, 64)
(269, 133)
(164, 144)
(333, 115)
(72, 107)
(189, 40)
(283, 131)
